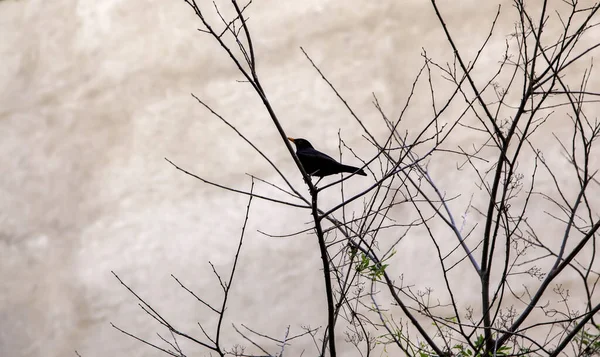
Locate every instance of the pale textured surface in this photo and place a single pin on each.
(94, 94)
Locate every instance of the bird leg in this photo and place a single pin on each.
(313, 174)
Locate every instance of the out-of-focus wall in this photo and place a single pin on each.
(94, 94)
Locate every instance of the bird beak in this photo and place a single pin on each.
(291, 139)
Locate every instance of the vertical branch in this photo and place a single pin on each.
(227, 287)
(330, 336)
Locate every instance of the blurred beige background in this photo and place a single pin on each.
(94, 96)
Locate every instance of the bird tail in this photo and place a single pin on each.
(352, 169)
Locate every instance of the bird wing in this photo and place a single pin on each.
(317, 156)
(316, 163)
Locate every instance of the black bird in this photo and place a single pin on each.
(316, 163)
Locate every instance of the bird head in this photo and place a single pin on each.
(301, 143)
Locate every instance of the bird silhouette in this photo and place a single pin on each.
(318, 164)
